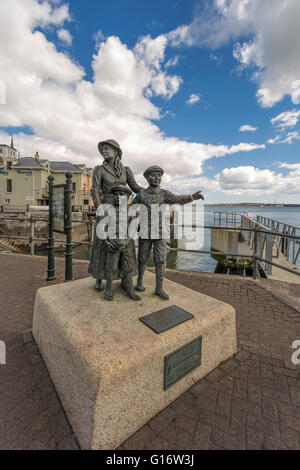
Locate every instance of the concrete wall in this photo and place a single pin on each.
(225, 240)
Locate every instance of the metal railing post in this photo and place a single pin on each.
(31, 240)
(255, 249)
(68, 227)
(51, 263)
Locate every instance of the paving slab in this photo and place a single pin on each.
(255, 405)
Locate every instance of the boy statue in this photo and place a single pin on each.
(120, 253)
(155, 195)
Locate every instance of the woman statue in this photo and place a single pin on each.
(104, 177)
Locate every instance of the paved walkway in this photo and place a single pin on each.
(281, 275)
(249, 402)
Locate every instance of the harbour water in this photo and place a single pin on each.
(203, 262)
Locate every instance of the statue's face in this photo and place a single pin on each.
(154, 178)
(117, 194)
(109, 152)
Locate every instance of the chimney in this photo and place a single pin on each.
(37, 156)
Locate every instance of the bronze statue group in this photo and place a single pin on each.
(115, 258)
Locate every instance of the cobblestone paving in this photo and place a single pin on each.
(249, 402)
(26, 422)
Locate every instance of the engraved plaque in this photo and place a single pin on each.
(166, 318)
(182, 361)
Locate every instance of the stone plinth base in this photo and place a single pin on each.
(108, 367)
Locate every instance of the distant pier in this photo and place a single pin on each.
(262, 244)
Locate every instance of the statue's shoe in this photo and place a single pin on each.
(99, 286)
(162, 294)
(108, 297)
(140, 288)
(133, 296)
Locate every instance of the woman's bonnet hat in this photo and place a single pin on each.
(111, 142)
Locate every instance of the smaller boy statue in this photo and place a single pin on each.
(120, 253)
(155, 195)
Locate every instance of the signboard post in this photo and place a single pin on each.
(68, 228)
(60, 220)
(51, 266)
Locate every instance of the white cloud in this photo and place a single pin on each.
(290, 166)
(246, 177)
(291, 136)
(68, 114)
(239, 181)
(194, 98)
(151, 53)
(247, 128)
(287, 139)
(190, 185)
(65, 36)
(283, 122)
(172, 62)
(295, 167)
(275, 140)
(272, 47)
(216, 59)
(286, 119)
(99, 37)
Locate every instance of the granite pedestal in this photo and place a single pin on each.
(108, 367)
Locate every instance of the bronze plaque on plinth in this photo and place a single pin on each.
(182, 361)
(166, 318)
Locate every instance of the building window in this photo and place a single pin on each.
(74, 187)
(7, 201)
(86, 202)
(9, 165)
(9, 186)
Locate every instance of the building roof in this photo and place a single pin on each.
(8, 146)
(28, 162)
(64, 166)
(31, 162)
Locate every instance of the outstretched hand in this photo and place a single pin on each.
(198, 195)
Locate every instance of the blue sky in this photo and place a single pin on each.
(172, 81)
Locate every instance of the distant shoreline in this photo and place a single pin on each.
(253, 204)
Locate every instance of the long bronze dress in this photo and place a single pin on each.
(104, 177)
